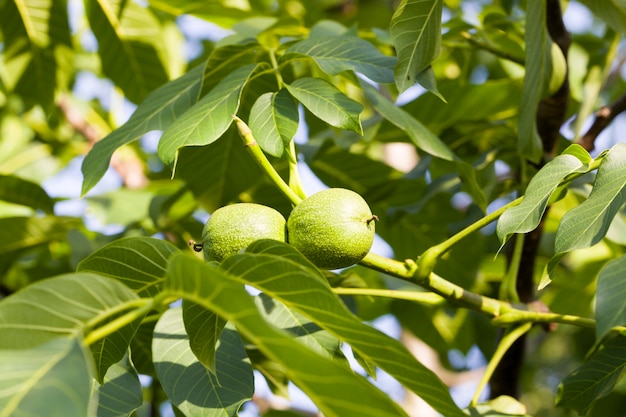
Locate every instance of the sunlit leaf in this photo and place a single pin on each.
(189, 385)
(595, 378)
(36, 35)
(587, 224)
(138, 262)
(416, 34)
(327, 102)
(49, 379)
(346, 394)
(282, 273)
(526, 216)
(64, 305)
(502, 406)
(274, 121)
(335, 54)
(19, 191)
(217, 12)
(610, 296)
(164, 106)
(24, 232)
(208, 119)
(158, 111)
(129, 41)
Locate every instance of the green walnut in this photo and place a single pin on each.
(333, 228)
(232, 228)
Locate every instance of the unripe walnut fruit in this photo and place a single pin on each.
(232, 228)
(333, 228)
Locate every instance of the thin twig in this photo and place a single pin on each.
(603, 117)
(489, 48)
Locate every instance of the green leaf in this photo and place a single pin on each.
(281, 272)
(425, 140)
(128, 44)
(613, 12)
(121, 392)
(595, 378)
(526, 216)
(164, 106)
(225, 59)
(25, 232)
(188, 384)
(36, 36)
(466, 102)
(502, 406)
(610, 296)
(417, 132)
(346, 395)
(274, 121)
(328, 103)
(338, 167)
(19, 191)
(586, 224)
(301, 328)
(67, 304)
(34, 19)
(204, 328)
(208, 119)
(138, 262)
(335, 54)
(51, 379)
(158, 111)
(210, 174)
(220, 13)
(141, 348)
(537, 43)
(416, 34)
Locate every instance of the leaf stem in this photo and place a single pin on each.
(279, 77)
(502, 312)
(508, 290)
(142, 307)
(430, 257)
(497, 52)
(295, 183)
(507, 341)
(515, 316)
(255, 150)
(422, 297)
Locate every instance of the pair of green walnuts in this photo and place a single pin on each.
(333, 228)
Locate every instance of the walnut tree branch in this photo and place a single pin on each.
(603, 117)
(551, 114)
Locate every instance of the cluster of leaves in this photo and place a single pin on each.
(76, 341)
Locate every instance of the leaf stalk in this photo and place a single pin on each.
(257, 154)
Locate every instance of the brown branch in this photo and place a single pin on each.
(552, 110)
(128, 166)
(603, 117)
(551, 114)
